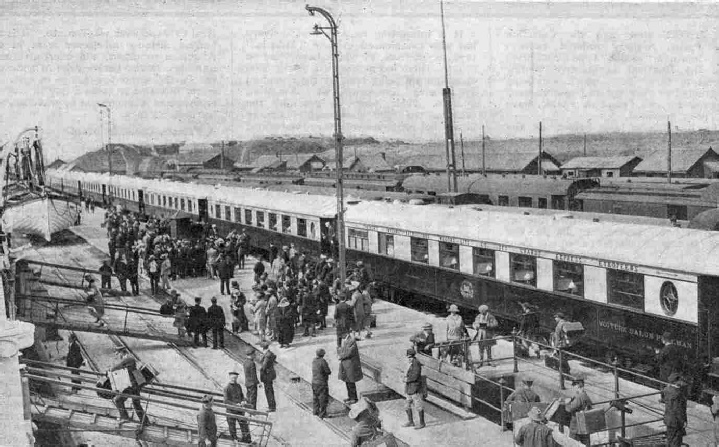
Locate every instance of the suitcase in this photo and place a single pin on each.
(591, 421)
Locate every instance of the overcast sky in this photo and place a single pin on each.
(202, 71)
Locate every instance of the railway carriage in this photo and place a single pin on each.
(627, 284)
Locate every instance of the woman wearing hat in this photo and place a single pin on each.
(455, 333)
(180, 318)
(260, 313)
(285, 323)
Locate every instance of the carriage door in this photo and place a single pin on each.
(202, 209)
(141, 201)
(104, 193)
(327, 234)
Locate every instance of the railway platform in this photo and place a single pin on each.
(383, 357)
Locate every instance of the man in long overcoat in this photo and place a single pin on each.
(268, 375)
(350, 371)
(675, 410)
(197, 324)
(216, 320)
(250, 369)
(344, 318)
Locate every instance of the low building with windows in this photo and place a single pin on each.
(600, 166)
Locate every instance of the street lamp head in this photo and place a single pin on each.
(310, 10)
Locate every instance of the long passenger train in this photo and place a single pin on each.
(626, 283)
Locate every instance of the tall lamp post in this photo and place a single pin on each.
(332, 37)
(109, 143)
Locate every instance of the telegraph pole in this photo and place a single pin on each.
(448, 122)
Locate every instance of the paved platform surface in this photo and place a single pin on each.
(293, 426)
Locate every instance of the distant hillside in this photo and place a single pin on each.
(133, 158)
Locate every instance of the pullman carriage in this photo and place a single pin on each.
(277, 217)
(627, 284)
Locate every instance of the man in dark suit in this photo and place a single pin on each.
(413, 388)
(671, 358)
(74, 358)
(206, 424)
(268, 375)
(344, 318)
(128, 362)
(251, 382)
(675, 410)
(216, 320)
(320, 388)
(197, 323)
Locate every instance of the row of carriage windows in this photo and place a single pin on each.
(624, 288)
(558, 202)
(280, 223)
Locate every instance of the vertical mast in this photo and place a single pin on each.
(539, 160)
(448, 124)
(669, 157)
(484, 169)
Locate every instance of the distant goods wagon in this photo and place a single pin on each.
(526, 191)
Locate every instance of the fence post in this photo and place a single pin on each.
(560, 368)
(501, 402)
(615, 369)
(514, 350)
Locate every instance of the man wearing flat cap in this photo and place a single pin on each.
(127, 362)
(206, 424)
(234, 396)
(320, 388)
(576, 404)
(250, 369)
(413, 388)
(424, 341)
(559, 336)
(197, 323)
(675, 410)
(535, 433)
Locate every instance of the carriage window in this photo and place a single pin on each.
(503, 201)
(238, 215)
(420, 250)
(313, 230)
(542, 202)
(228, 214)
(525, 202)
(483, 261)
(625, 289)
(260, 219)
(189, 205)
(218, 212)
(386, 244)
(248, 217)
(449, 255)
(358, 239)
(164, 201)
(273, 221)
(523, 269)
(569, 278)
(182, 204)
(286, 224)
(302, 227)
(558, 203)
(152, 199)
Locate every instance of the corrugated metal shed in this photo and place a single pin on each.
(491, 184)
(677, 249)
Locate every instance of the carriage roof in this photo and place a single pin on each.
(666, 248)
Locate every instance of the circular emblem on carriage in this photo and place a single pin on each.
(466, 289)
(669, 298)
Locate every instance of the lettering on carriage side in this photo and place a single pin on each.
(530, 252)
(634, 332)
(570, 258)
(618, 266)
